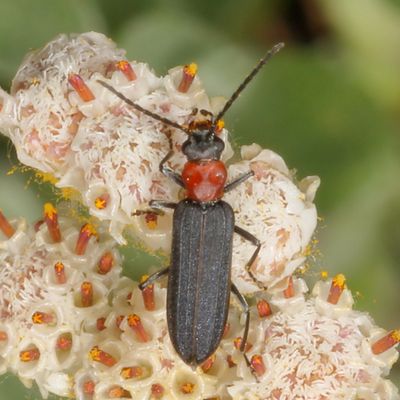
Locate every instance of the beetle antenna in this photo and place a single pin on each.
(136, 106)
(246, 81)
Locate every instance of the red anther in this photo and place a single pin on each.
(86, 232)
(126, 68)
(136, 324)
(289, 291)
(148, 295)
(187, 388)
(238, 344)
(227, 328)
(38, 224)
(86, 294)
(131, 372)
(336, 290)
(119, 392)
(206, 366)
(188, 74)
(88, 387)
(101, 324)
(204, 180)
(29, 355)
(51, 219)
(151, 220)
(3, 336)
(157, 390)
(42, 318)
(106, 263)
(263, 308)
(59, 271)
(5, 226)
(102, 357)
(257, 365)
(129, 297)
(101, 201)
(387, 342)
(119, 320)
(80, 87)
(230, 361)
(64, 342)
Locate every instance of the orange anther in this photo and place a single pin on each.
(3, 336)
(157, 391)
(41, 318)
(131, 372)
(80, 87)
(119, 392)
(101, 324)
(86, 294)
(136, 324)
(64, 342)
(51, 219)
(151, 220)
(337, 287)
(59, 271)
(86, 232)
(102, 357)
(387, 342)
(238, 344)
(289, 291)
(5, 226)
(148, 295)
(263, 308)
(230, 361)
(206, 366)
(257, 365)
(188, 74)
(88, 387)
(126, 68)
(105, 264)
(29, 355)
(187, 388)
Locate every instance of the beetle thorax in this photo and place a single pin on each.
(204, 180)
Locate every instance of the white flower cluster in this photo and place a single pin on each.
(75, 326)
(63, 122)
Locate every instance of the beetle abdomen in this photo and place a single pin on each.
(199, 278)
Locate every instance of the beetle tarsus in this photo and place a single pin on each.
(153, 277)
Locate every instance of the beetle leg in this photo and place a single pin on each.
(153, 277)
(251, 238)
(238, 181)
(246, 311)
(157, 204)
(169, 172)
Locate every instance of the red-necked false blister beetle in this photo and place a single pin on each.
(199, 275)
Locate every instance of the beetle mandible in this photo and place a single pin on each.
(199, 275)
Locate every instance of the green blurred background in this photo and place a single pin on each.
(329, 104)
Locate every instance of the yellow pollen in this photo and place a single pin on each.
(396, 335)
(49, 210)
(35, 81)
(133, 320)
(144, 278)
(89, 229)
(187, 388)
(46, 177)
(100, 203)
(220, 125)
(95, 353)
(324, 274)
(339, 281)
(190, 69)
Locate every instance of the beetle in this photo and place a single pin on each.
(199, 275)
